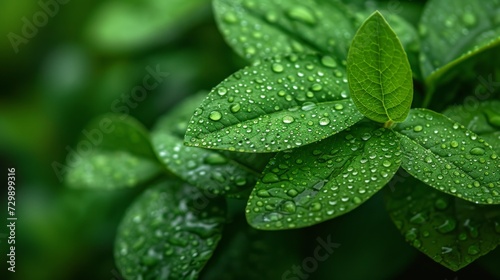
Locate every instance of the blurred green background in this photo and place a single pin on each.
(63, 63)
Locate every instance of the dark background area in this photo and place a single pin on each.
(73, 64)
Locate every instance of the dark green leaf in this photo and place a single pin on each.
(453, 31)
(218, 172)
(170, 231)
(115, 152)
(275, 105)
(380, 77)
(480, 117)
(324, 180)
(450, 230)
(246, 254)
(450, 158)
(129, 25)
(260, 29)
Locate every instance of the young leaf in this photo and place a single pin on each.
(278, 104)
(450, 158)
(324, 180)
(170, 231)
(451, 231)
(453, 31)
(260, 29)
(379, 74)
(115, 152)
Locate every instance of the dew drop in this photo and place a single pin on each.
(230, 18)
(328, 61)
(270, 178)
(316, 87)
(324, 121)
(215, 115)
(289, 207)
(473, 250)
(235, 107)
(338, 107)
(477, 151)
(469, 19)
(263, 193)
(418, 128)
(278, 68)
(302, 14)
(222, 91)
(386, 163)
(288, 119)
(454, 144)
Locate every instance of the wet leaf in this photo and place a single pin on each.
(114, 152)
(480, 117)
(218, 172)
(260, 29)
(170, 231)
(324, 180)
(450, 158)
(129, 25)
(451, 231)
(245, 254)
(454, 31)
(380, 77)
(275, 105)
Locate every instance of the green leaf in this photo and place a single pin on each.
(215, 171)
(480, 117)
(245, 254)
(170, 231)
(324, 180)
(450, 158)
(380, 77)
(130, 25)
(453, 31)
(260, 29)
(115, 152)
(277, 104)
(451, 231)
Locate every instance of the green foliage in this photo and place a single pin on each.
(167, 221)
(278, 104)
(338, 115)
(324, 180)
(379, 72)
(450, 158)
(117, 153)
(450, 230)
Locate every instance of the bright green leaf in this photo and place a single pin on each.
(451, 231)
(324, 180)
(170, 231)
(114, 152)
(130, 25)
(450, 158)
(260, 29)
(380, 77)
(215, 171)
(277, 104)
(453, 31)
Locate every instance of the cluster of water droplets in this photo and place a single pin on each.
(167, 234)
(261, 29)
(275, 105)
(324, 180)
(463, 29)
(450, 158)
(452, 231)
